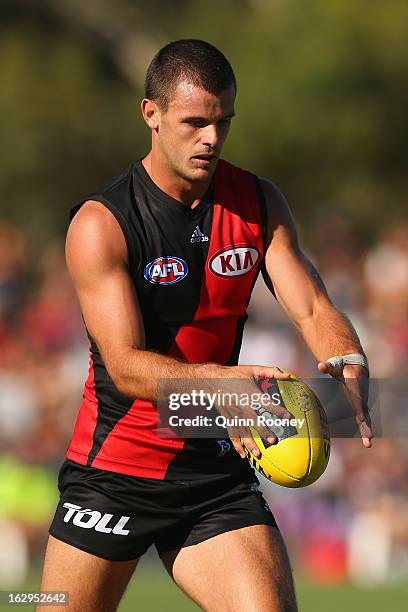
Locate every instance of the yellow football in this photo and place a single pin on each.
(302, 453)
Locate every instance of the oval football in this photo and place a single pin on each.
(302, 454)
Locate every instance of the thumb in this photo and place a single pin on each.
(327, 368)
(323, 367)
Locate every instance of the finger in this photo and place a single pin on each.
(236, 442)
(263, 430)
(277, 410)
(365, 432)
(272, 372)
(354, 370)
(362, 417)
(272, 405)
(354, 393)
(251, 446)
(363, 422)
(366, 438)
(249, 443)
(355, 389)
(267, 434)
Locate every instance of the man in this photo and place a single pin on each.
(164, 259)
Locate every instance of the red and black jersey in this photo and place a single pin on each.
(193, 272)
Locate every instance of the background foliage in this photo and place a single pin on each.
(321, 103)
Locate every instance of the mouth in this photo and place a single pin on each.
(205, 158)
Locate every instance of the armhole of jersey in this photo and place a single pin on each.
(264, 229)
(120, 218)
(262, 209)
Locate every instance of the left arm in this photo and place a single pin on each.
(300, 290)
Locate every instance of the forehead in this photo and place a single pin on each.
(192, 100)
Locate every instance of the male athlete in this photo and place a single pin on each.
(164, 259)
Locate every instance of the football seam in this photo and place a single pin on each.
(283, 472)
(276, 467)
(300, 480)
(310, 451)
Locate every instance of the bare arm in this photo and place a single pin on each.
(96, 255)
(300, 290)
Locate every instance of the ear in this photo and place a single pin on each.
(151, 113)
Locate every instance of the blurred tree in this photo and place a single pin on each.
(321, 99)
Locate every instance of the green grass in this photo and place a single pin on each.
(154, 591)
(349, 598)
(151, 589)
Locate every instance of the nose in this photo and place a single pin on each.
(210, 136)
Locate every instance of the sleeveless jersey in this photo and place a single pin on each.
(193, 271)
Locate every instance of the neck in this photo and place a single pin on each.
(187, 192)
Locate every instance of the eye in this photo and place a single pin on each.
(197, 123)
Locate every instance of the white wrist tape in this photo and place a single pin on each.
(353, 359)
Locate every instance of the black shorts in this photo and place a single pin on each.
(118, 517)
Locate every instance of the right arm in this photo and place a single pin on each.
(96, 256)
(97, 260)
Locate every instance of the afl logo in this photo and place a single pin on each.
(166, 270)
(234, 260)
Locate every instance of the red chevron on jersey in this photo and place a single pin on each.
(87, 416)
(223, 300)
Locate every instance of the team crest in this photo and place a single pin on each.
(225, 447)
(166, 270)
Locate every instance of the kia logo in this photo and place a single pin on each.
(234, 261)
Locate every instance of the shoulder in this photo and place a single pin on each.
(273, 197)
(279, 216)
(113, 193)
(94, 217)
(118, 182)
(94, 235)
(99, 221)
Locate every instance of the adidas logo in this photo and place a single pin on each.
(198, 236)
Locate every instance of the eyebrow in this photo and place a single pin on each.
(185, 119)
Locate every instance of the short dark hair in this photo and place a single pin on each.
(196, 61)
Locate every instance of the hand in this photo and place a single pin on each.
(356, 381)
(251, 377)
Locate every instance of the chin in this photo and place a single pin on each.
(194, 176)
(200, 174)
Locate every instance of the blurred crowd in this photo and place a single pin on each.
(351, 525)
